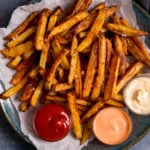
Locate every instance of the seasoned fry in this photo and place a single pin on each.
(124, 44)
(22, 37)
(18, 50)
(123, 30)
(14, 62)
(83, 102)
(90, 72)
(115, 103)
(41, 28)
(85, 4)
(22, 27)
(55, 98)
(52, 71)
(96, 27)
(75, 115)
(69, 23)
(130, 73)
(62, 86)
(118, 97)
(35, 97)
(27, 54)
(14, 89)
(82, 108)
(61, 39)
(74, 58)
(33, 72)
(101, 67)
(110, 86)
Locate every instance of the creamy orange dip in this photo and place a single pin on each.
(112, 126)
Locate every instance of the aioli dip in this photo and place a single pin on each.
(112, 126)
(137, 94)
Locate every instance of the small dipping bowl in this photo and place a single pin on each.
(112, 126)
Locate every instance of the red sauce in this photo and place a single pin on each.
(52, 122)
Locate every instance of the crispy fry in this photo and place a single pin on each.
(93, 110)
(14, 62)
(90, 72)
(35, 97)
(123, 30)
(115, 103)
(24, 106)
(61, 39)
(62, 86)
(61, 74)
(86, 4)
(33, 72)
(101, 67)
(75, 115)
(41, 28)
(14, 89)
(22, 27)
(130, 73)
(124, 44)
(83, 102)
(28, 54)
(82, 108)
(18, 50)
(22, 37)
(110, 86)
(96, 27)
(74, 58)
(55, 98)
(118, 97)
(52, 71)
(69, 23)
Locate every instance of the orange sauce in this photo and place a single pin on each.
(112, 126)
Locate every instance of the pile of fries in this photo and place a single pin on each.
(78, 60)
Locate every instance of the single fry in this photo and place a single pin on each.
(22, 27)
(22, 37)
(90, 72)
(75, 115)
(55, 98)
(62, 87)
(101, 67)
(96, 27)
(14, 62)
(24, 106)
(41, 28)
(35, 97)
(86, 4)
(130, 73)
(83, 102)
(18, 50)
(27, 54)
(33, 72)
(118, 97)
(115, 103)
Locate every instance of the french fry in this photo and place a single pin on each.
(68, 23)
(14, 89)
(14, 62)
(29, 89)
(22, 27)
(52, 71)
(83, 102)
(101, 67)
(33, 72)
(24, 106)
(22, 37)
(61, 74)
(75, 115)
(55, 98)
(124, 44)
(61, 39)
(115, 103)
(85, 4)
(35, 97)
(18, 50)
(118, 97)
(82, 108)
(110, 86)
(28, 54)
(123, 30)
(129, 74)
(93, 110)
(62, 87)
(41, 28)
(96, 27)
(74, 58)
(90, 72)
(87, 132)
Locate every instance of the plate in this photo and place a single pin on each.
(141, 124)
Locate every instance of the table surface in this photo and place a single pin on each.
(9, 139)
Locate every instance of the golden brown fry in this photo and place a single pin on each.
(83, 102)
(35, 97)
(14, 62)
(53, 69)
(28, 54)
(118, 97)
(60, 74)
(55, 98)
(18, 50)
(28, 89)
(120, 51)
(33, 72)
(125, 31)
(24, 106)
(74, 58)
(124, 44)
(78, 79)
(110, 86)
(41, 28)
(101, 67)
(62, 86)
(75, 115)
(22, 37)
(22, 27)
(86, 4)
(129, 74)
(61, 39)
(14, 89)
(69, 23)
(115, 103)
(82, 108)
(87, 132)
(92, 111)
(96, 27)
(90, 71)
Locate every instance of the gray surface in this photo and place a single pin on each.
(9, 140)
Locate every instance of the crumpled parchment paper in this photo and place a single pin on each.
(69, 142)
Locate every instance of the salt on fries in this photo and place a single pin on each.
(73, 60)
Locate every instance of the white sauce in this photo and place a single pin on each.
(137, 95)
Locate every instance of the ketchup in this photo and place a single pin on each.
(52, 122)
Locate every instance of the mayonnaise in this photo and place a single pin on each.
(137, 94)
